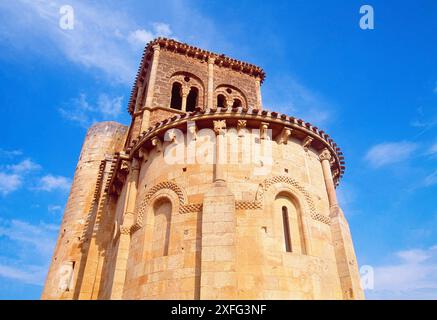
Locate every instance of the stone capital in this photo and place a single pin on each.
(211, 60)
(219, 126)
(325, 155)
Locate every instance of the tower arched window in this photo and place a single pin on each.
(221, 101)
(286, 226)
(176, 96)
(192, 99)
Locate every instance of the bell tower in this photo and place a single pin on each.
(175, 78)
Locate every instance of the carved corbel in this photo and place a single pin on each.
(192, 130)
(263, 130)
(283, 136)
(156, 142)
(219, 127)
(307, 142)
(171, 135)
(241, 126)
(143, 154)
(124, 166)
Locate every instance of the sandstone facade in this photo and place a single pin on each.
(138, 226)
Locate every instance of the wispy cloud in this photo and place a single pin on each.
(288, 95)
(51, 183)
(99, 41)
(10, 153)
(9, 183)
(24, 166)
(390, 152)
(412, 276)
(11, 176)
(432, 150)
(54, 208)
(431, 179)
(140, 37)
(79, 110)
(33, 243)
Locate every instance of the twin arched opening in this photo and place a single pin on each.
(186, 91)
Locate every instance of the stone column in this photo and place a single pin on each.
(258, 93)
(128, 221)
(218, 278)
(325, 158)
(347, 265)
(220, 152)
(185, 91)
(211, 61)
(150, 87)
(138, 98)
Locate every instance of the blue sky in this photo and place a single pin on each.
(373, 91)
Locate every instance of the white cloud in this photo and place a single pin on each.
(30, 274)
(51, 183)
(414, 276)
(109, 106)
(162, 29)
(54, 208)
(430, 180)
(10, 153)
(97, 42)
(11, 179)
(79, 110)
(9, 183)
(140, 37)
(24, 166)
(33, 246)
(286, 94)
(432, 150)
(389, 153)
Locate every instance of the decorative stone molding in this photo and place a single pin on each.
(247, 205)
(193, 207)
(321, 218)
(169, 185)
(268, 183)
